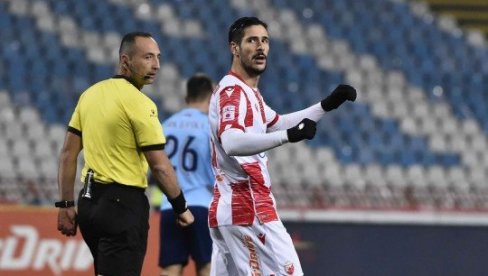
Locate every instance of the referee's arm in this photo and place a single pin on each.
(162, 170)
(66, 180)
(67, 165)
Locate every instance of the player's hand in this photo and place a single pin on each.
(185, 219)
(67, 223)
(304, 130)
(342, 93)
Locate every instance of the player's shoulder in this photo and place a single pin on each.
(175, 117)
(229, 84)
(168, 119)
(185, 114)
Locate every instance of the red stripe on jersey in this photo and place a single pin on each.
(213, 154)
(263, 202)
(275, 119)
(212, 210)
(260, 102)
(242, 204)
(248, 121)
(229, 102)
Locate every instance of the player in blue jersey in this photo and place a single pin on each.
(188, 147)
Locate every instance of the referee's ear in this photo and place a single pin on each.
(124, 61)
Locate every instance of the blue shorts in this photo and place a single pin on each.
(177, 244)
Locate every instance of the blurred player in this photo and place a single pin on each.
(188, 147)
(247, 232)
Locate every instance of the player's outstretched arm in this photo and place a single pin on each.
(238, 143)
(341, 93)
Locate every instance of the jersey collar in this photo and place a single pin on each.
(127, 79)
(232, 73)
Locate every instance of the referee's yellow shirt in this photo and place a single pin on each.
(117, 122)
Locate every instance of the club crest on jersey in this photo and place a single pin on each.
(228, 113)
(289, 268)
(262, 237)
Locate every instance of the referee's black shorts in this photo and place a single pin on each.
(114, 225)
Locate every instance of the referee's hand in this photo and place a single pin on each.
(67, 223)
(185, 219)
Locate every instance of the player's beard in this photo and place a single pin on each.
(251, 70)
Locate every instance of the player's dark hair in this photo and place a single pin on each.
(128, 41)
(236, 30)
(198, 87)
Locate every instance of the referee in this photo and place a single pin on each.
(117, 128)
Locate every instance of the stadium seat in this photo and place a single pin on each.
(419, 123)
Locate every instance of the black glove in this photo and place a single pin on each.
(342, 93)
(304, 130)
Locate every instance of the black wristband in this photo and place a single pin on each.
(64, 204)
(178, 203)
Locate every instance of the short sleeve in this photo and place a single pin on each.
(74, 124)
(148, 132)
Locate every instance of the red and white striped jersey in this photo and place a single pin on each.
(242, 189)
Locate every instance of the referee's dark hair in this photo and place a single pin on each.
(198, 88)
(236, 30)
(128, 41)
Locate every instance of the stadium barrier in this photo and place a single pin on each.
(30, 244)
(328, 243)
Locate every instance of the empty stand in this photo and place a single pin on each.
(415, 138)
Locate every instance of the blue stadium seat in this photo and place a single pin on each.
(39, 69)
